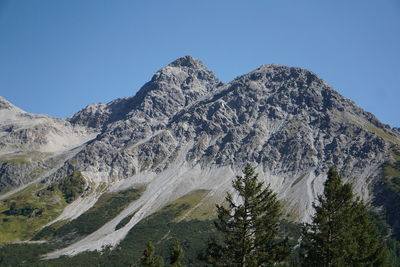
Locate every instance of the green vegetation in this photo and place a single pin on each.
(250, 227)
(394, 252)
(26, 211)
(26, 255)
(201, 208)
(179, 221)
(124, 221)
(341, 233)
(388, 193)
(396, 155)
(391, 174)
(366, 125)
(15, 160)
(387, 137)
(24, 157)
(106, 208)
(149, 259)
(162, 228)
(392, 244)
(192, 234)
(177, 255)
(72, 186)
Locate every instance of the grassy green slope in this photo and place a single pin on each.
(107, 207)
(24, 213)
(190, 220)
(162, 228)
(387, 193)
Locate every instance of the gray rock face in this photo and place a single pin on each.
(284, 120)
(93, 116)
(21, 168)
(29, 142)
(175, 86)
(134, 119)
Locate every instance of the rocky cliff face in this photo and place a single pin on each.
(175, 86)
(285, 120)
(32, 144)
(129, 121)
(186, 130)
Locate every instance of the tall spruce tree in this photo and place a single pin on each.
(176, 255)
(149, 259)
(341, 232)
(249, 226)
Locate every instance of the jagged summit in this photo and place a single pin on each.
(276, 73)
(172, 88)
(187, 61)
(185, 70)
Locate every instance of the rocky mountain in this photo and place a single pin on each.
(186, 131)
(31, 144)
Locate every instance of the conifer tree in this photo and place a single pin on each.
(177, 255)
(341, 232)
(149, 259)
(249, 226)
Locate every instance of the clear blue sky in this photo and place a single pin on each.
(58, 56)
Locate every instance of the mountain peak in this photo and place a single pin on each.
(298, 78)
(184, 71)
(187, 61)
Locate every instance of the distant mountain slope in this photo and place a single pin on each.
(31, 144)
(186, 131)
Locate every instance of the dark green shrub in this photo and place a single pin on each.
(72, 186)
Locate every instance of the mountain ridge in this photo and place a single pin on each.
(185, 130)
